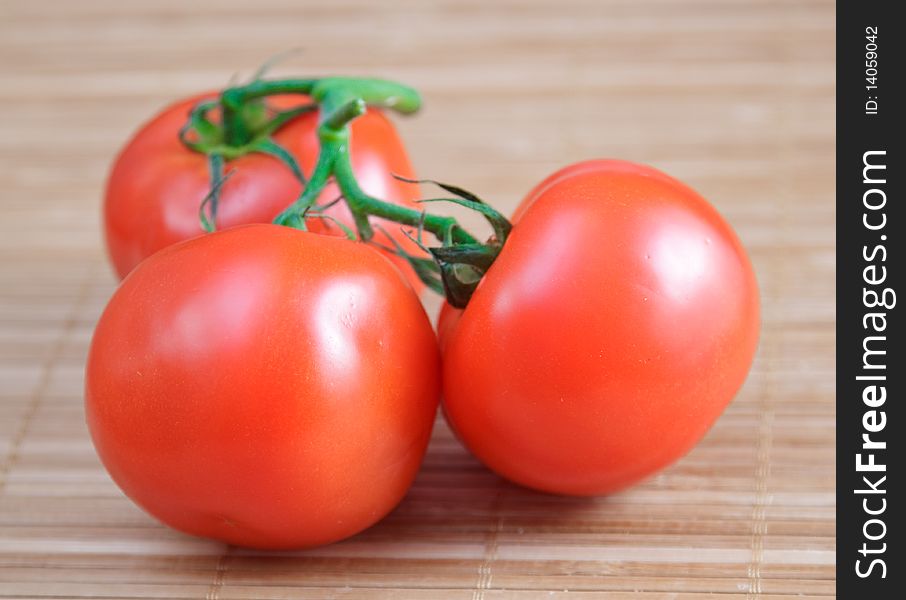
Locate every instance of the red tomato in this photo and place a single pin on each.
(264, 386)
(619, 320)
(156, 185)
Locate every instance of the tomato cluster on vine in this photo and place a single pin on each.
(266, 374)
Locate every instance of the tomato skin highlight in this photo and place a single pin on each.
(617, 323)
(263, 386)
(156, 185)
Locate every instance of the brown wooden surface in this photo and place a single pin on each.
(734, 97)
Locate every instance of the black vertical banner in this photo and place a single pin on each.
(871, 444)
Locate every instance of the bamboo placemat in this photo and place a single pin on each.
(735, 98)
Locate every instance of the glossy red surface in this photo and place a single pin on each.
(264, 386)
(618, 322)
(156, 185)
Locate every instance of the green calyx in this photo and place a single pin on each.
(254, 119)
(246, 125)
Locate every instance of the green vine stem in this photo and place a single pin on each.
(456, 265)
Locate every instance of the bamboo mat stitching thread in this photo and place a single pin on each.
(219, 575)
(759, 524)
(776, 285)
(491, 545)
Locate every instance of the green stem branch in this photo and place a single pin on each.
(361, 205)
(340, 100)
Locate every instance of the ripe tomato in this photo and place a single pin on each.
(156, 184)
(617, 323)
(264, 386)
